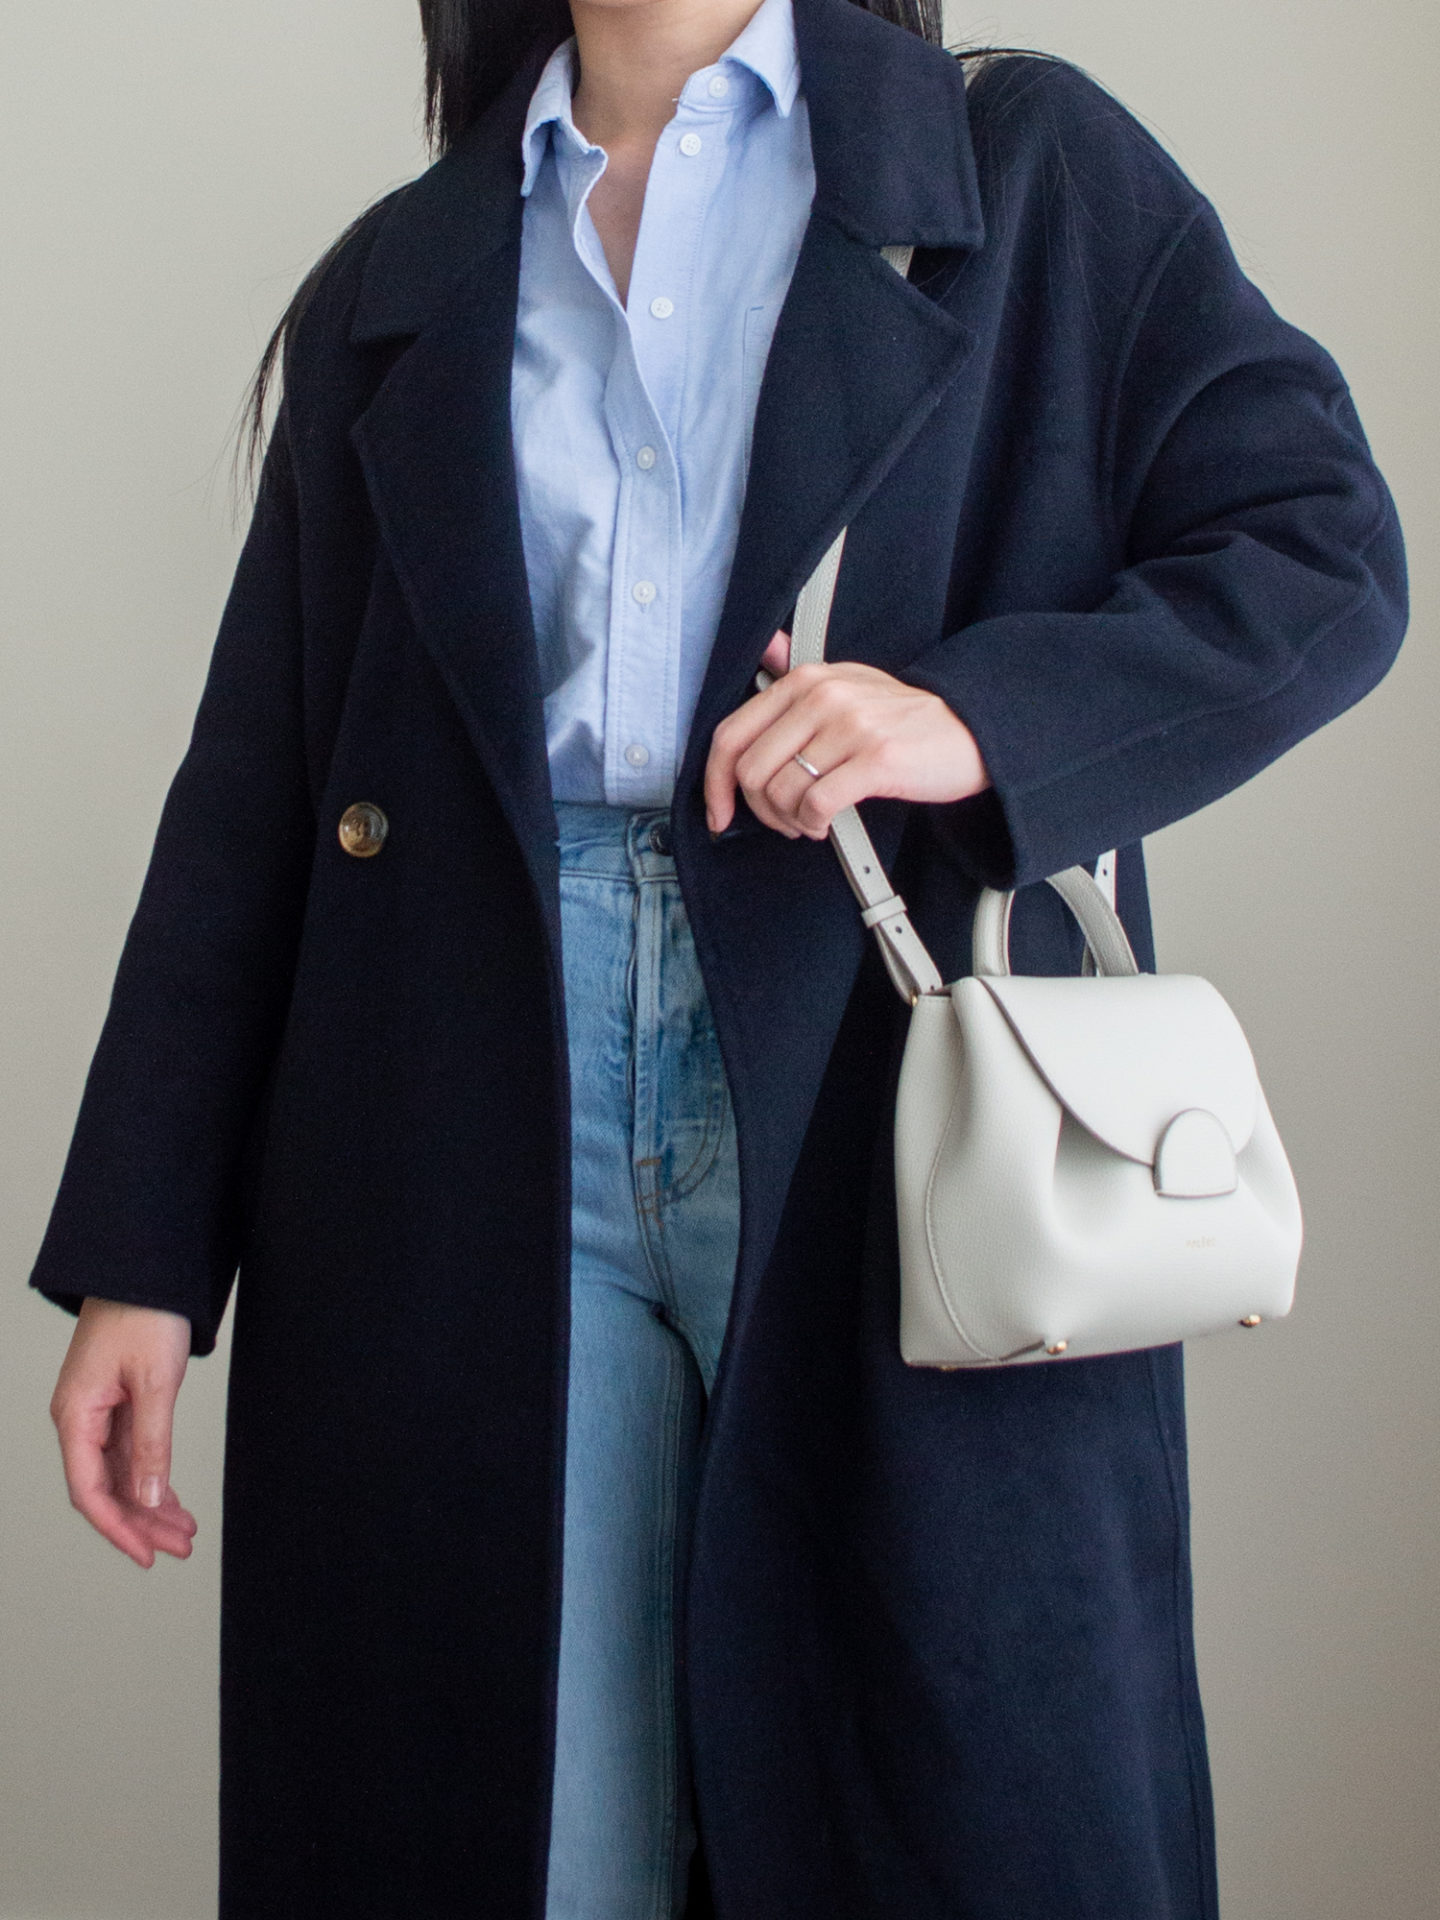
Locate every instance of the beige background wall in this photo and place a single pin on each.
(166, 173)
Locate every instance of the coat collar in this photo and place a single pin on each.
(890, 135)
(443, 226)
(894, 164)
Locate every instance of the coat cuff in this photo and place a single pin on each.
(975, 834)
(129, 1292)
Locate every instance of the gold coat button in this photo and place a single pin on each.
(363, 828)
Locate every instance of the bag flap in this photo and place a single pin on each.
(1124, 1056)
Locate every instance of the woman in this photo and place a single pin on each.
(495, 1005)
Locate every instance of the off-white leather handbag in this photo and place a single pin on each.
(1084, 1164)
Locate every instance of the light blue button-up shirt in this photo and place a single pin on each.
(632, 423)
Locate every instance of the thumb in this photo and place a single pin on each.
(152, 1416)
(776, 657)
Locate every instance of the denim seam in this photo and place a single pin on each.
(684, 1184)
(645, 1179)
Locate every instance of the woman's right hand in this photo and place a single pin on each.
(114, 1409)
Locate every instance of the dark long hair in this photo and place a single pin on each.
(472, 49)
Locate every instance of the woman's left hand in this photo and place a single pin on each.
(869, 734)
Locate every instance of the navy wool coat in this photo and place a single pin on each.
(935, 1644)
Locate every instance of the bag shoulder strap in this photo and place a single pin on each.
(905, 955)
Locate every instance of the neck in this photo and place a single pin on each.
(636, 56)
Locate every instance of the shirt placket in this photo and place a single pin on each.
(644, 407)
(632, 767)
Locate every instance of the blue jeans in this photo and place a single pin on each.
(656, 1227)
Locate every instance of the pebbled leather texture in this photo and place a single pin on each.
(1125, 1056)
(1195, 1159)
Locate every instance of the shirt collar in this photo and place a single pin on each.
(765, 45)
(550, 106)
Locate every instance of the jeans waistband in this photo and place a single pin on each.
(630, 843)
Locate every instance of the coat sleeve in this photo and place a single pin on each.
(148, 1210)
(1262, 588)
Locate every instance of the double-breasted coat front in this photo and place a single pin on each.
(935, 1641)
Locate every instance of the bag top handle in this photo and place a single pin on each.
(1105, 937)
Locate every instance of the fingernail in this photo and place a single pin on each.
(152, 1490)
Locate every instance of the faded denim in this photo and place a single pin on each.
(655, 1224)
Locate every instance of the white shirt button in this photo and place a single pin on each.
(719, 86)
(661, 307)
(645, 458)
(690, 144)
(637, 755)
(644, 591)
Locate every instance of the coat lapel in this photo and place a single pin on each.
(435, 446)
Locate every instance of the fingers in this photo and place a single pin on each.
(799, 803)
(856, 777)
(93, 1447)
(98, 1476)
(113, 1409)
(823, 719)
(152, 1411)
(869, 734)
(138, 1459)
(736, 733)
(776, 657)
(84, 1429)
